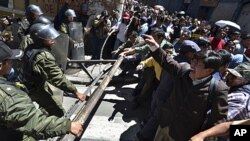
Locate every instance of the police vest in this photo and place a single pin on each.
(27, 75)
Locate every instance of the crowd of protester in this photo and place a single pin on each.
(194, 73)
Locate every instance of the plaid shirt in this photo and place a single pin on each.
(238, 106)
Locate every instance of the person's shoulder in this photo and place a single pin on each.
(222, 87)
(45, 54)
(238, 57)
(10, 90)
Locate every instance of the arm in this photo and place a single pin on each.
(46, 66)
(221, 129)
(237, 103)
(21, 114)
(142, 49)
(165, 61)
(63, 28)
(219, 105)
(148, 62)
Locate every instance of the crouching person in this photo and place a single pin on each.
(20, 119)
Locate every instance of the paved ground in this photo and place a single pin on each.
(114, 118)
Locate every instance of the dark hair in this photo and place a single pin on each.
(134, 34)
(226, 57)
(245, 36)
(167, 45)
(202, 42)
(211, 59)
(230, 42)
(158, 32)
(160, 18)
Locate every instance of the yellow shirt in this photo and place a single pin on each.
(150, 62)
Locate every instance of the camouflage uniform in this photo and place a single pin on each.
(64, 28)
(23, 33)
(45, 70)
(19, 114)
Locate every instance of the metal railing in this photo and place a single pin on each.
(85, 111)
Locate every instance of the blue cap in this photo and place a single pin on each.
(189, 46)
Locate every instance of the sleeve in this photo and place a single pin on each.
(219, 105)
(139, 42)
(45, 65)
(20, 113)
(237, 102)
(166, 62)
(142, 50)
(148, 62)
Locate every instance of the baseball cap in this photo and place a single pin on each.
(189, 45)
(7, 53)
(242, 70)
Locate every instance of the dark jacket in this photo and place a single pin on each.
(184, 112)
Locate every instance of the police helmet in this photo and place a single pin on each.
(33, 9)
(70, 13)
(43, 31)
(42, 20)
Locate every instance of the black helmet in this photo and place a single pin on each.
(42, 20)
(33, 9)
(43, 31)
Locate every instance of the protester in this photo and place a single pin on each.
(180, 109)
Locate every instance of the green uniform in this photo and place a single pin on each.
(64, 28)
(19, 113)
(23, 34)
(46, 70)
(144, 50)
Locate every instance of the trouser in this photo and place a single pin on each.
(162, 134)
(148, 88)
(149, 129)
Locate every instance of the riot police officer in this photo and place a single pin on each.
(70, 15)
(27, 39)
(32, 12)
(40, 69)
(20, 119)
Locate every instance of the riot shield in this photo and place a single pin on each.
(77, 47)
(60, 50)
